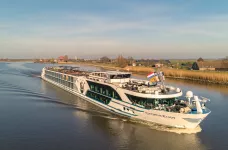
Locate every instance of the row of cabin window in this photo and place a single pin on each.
(120, 76)
(98, 97)
(104, 90)
(62, 82)
(60, 76)
(150, 101)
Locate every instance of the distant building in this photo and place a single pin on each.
(158, 65)
(133, 64)
(217, 65)
(167, 61)
(61, 59)
(153, 62)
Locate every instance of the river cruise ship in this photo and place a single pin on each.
(137, 99)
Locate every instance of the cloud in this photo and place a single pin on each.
(91, 25)
(151, 28)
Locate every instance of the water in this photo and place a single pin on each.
(39, 116)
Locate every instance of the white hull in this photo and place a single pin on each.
(172, 119)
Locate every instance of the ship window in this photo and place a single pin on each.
(98, 97)
(68, 84)
(106, 90)
(113, 94)
(72, 85)
(92, 87)
(107, 93)
(96, 89)
(112, 76)
(120, 76)
(103, 91)
(150, 102)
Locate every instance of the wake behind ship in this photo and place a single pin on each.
(138, 99)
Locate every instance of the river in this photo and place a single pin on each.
(35, 115)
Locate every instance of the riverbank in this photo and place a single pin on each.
(16, 60)
(214, 77)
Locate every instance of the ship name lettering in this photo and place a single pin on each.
(164, 116)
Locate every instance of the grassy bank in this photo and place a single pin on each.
(201, 76)
(17, 60)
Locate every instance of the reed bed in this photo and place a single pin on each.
(206, 76)
(139, 69)
(202, 76)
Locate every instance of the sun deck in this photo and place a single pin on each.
(119, 79)
(74, 71)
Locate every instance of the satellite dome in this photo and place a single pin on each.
(178, 90)
(189, 94)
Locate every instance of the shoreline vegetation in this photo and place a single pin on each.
(16, 60)
(215, 77)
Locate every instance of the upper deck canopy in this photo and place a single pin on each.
(112, 74)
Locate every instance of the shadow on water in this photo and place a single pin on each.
(129, 135)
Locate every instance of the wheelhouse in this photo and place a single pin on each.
(111, 76)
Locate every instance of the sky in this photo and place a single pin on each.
(94, 28)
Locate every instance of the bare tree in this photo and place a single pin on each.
(65, 58)
(121, 61)
(130, 60)
(105, 59)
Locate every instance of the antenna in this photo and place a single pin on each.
(160, 74)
